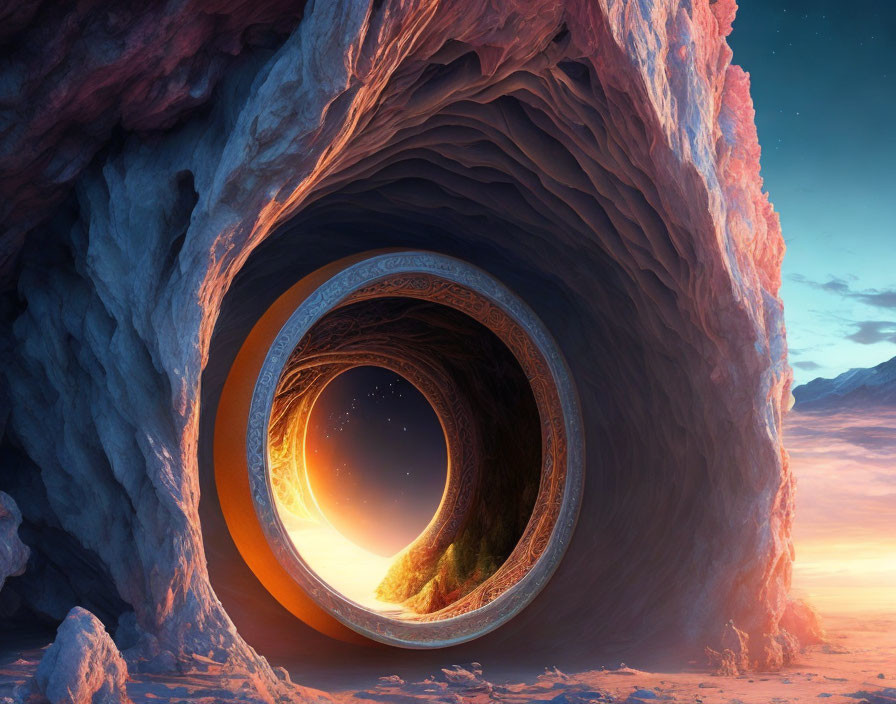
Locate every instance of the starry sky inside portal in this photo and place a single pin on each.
(376, 458)
(823, 77)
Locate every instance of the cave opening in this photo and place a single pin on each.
(497, 176)
(573, 172)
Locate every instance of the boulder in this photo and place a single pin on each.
(82, 666)
(13, 552)
(802, 621)
(733, 655)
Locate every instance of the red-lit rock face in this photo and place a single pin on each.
(598, 158)
(77, 74)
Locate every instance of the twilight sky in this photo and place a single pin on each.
(824, 87)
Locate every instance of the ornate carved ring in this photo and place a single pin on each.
(448, 282)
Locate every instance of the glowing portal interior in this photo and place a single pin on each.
(373, 467)
(376, 458)
(502, 395)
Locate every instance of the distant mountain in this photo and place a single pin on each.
(857, 388)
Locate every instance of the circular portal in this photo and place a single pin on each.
(469, 355)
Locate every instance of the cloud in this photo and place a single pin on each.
(870, 332)
(870, 437)
(846, 490)
(866, 332)
(809, 366)
(838, 286)
(879, 298)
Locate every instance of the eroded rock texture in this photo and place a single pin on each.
(13, 552)
(75, 75)
(82, 665)
(598, 157)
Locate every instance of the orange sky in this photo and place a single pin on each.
(845, 530)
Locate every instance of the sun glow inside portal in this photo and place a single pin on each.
(348, 568)
(359, 477)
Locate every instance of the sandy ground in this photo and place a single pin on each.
(858, 663)
(845, 670)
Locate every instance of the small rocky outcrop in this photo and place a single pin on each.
(82, 666)
(13, 552)
(737, 653)
(733, 655)
(802, 621)
(777, 650)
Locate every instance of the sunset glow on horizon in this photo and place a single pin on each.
(845, 527)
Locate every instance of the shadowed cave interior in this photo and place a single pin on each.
(649, 489)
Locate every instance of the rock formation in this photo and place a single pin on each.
(802, 621)
(166, 172)
(13, 553)
(733, 657)
(82, 665)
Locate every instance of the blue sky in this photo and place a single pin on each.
(824, 87)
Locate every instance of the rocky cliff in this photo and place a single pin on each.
(165, 172)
